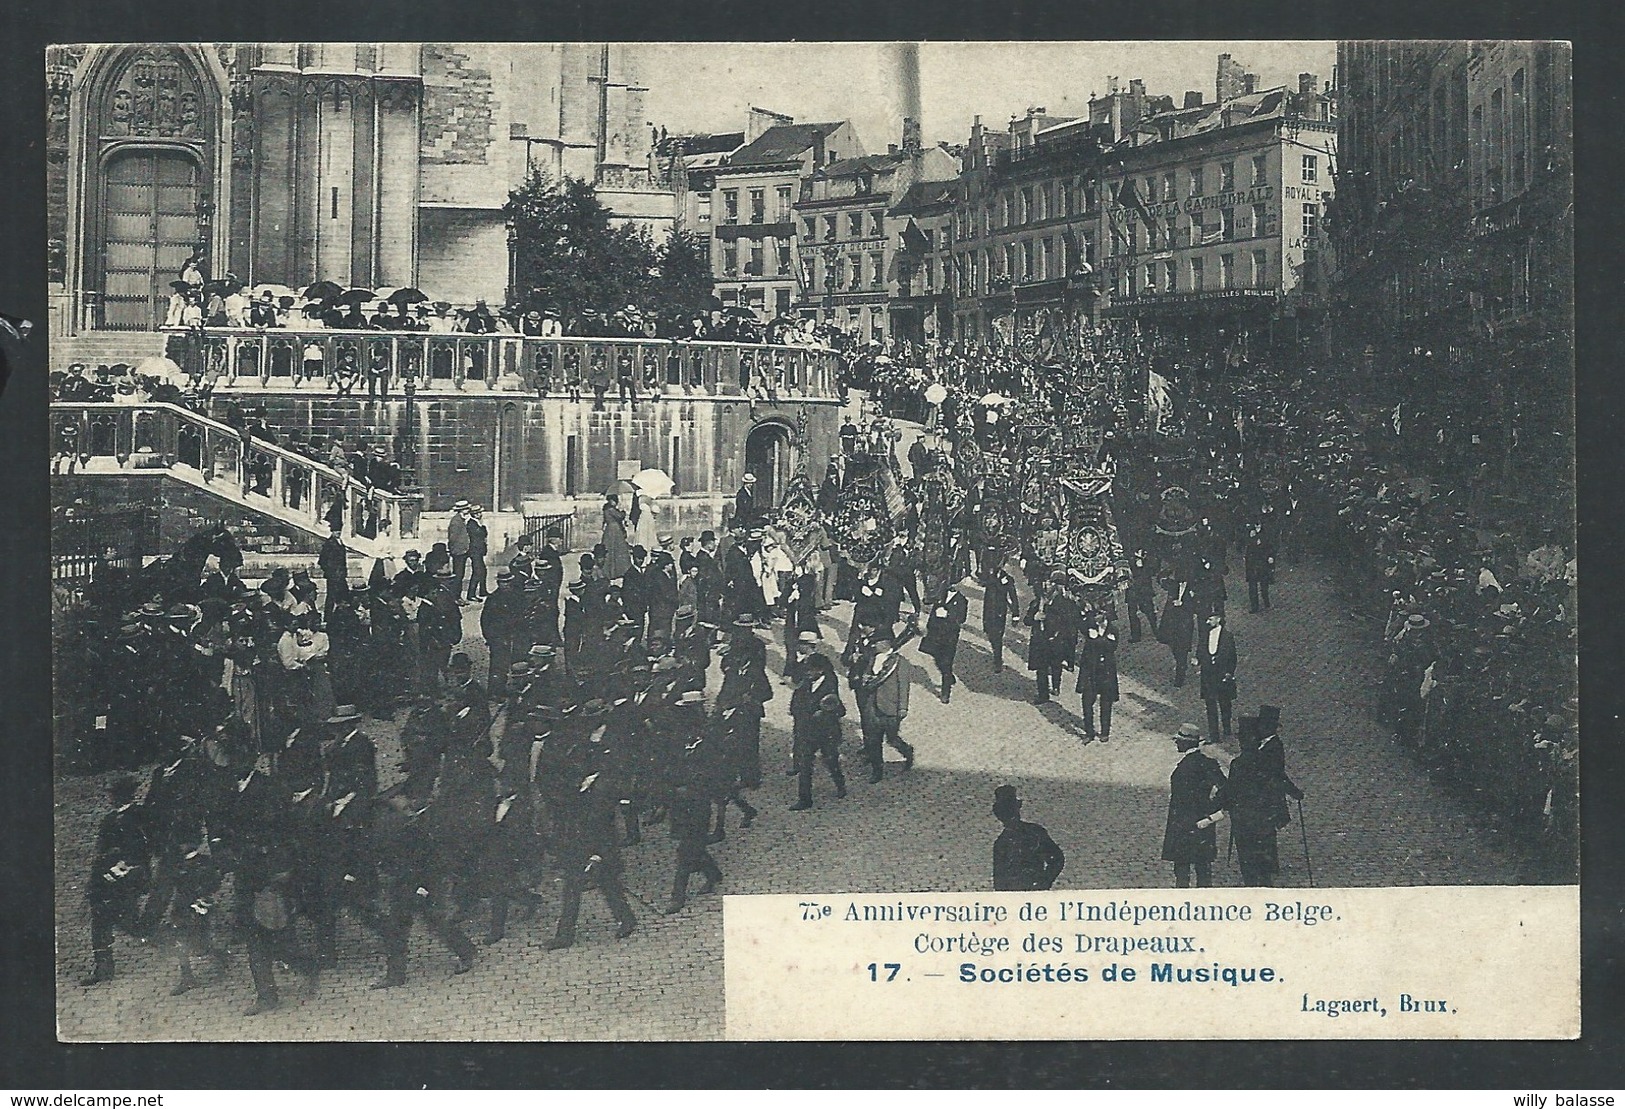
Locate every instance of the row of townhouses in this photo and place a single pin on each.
(1197, 214)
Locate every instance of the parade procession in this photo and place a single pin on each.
(828, 611)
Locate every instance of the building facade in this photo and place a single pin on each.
(361, 163)
(921, 308)
(849, 240)
(1453, 226)
(1213, 215)
(1026, 231)
(747, 202)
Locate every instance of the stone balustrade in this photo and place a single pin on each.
(126, 438)
(433, 362)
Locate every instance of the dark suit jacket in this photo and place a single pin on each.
(1218, 667)
(1194, 792)
(998, 598)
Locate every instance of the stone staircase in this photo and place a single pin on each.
(96, 348)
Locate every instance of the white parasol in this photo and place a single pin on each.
(653, 483)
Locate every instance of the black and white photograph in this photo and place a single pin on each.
(507, 497)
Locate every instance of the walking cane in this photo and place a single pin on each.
(1304, 833)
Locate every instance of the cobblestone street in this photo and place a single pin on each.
(1373, 819)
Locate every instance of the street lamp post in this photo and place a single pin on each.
(831, 257)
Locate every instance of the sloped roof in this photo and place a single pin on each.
(868, 163)
(923, 195)
(700, 144)
(784, 143)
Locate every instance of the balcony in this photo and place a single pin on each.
(438, 363)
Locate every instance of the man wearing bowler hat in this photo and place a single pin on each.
(1194, 806)
(1024, 855)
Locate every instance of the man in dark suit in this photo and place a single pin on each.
(998, 599)
(478, 546)
(708, 582)
(1258, 558)
(1053, 617)
(1097, 674)
(334, 563)
(1253, 797)
(1273, 754)
(500, 621)
(1141, 596)
(1024, 855)
(1194, 794)
(941, 639)
(745, 514)
(1216, 661)
(119, 875)
(589, 851)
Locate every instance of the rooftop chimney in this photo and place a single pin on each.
(891, 148)
(1193, 100)
(1136, 87)
(1307, 83)
(912, 141)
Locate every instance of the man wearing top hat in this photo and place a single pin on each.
(1024, 855)
(1252, 795)
(1195, 793)
(1273, 754)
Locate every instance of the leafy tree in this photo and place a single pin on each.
(566, 256)
(684, 282)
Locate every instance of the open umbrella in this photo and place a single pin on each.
(408, 295)
(621, 486)
(994, 399)
(653, 483)
(357, 296)
(323, 290)
(275, 290)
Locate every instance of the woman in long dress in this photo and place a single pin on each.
(645, 518)
(617, 551)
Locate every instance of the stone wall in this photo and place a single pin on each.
(497, 450)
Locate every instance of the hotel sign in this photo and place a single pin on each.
(1232, 199)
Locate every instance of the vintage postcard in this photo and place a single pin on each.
(638, 541)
